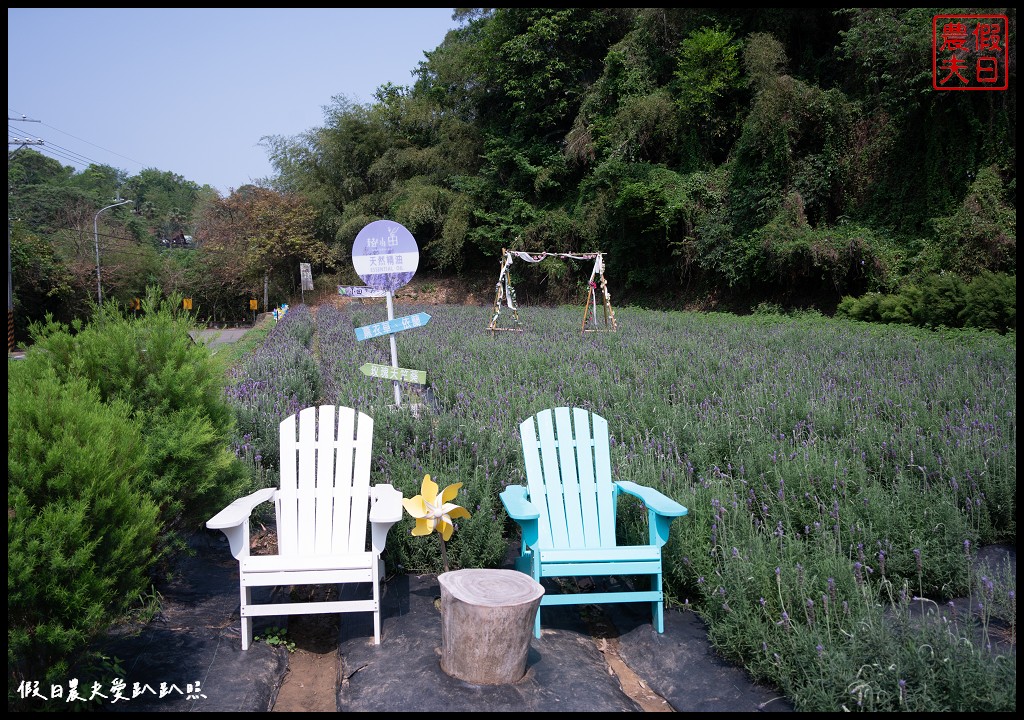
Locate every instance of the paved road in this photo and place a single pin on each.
(211, 336)
(214, 337)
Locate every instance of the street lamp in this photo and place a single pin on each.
(96, 236)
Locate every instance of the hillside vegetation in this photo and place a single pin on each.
(721, 158)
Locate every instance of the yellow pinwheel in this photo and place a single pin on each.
(433, 511)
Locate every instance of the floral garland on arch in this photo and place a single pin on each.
(503, 290)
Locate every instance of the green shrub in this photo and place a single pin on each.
(81, 530)
(175, 393)
(150, 362)
(189, 468)
(942, 301)
(991, 302)
(865, 308)
(894, 309)
(982, 233)
(846, 306)
(988, 302)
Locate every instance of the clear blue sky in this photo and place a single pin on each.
(192, 91)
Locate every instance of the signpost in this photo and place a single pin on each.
(307, 279)
(385, 256)
(392, 373)
(359, 291)
(392, 326)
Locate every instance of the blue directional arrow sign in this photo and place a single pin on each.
(392, 326)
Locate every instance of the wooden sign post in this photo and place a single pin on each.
(385, 256)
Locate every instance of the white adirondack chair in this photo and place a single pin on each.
(323, 505)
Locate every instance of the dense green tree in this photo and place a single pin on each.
(51, 207)
(707, 81)
(944, 136)
(166, 200)
(744, 151)
(793, 146)
(541, 61)
(981, 235)
(43, 282)
(626, 113)
(100, 181)
(26, 167)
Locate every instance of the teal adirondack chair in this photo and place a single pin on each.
(567, 512)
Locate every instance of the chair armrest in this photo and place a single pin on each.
(654, 499)
(516, 505)
(385, 504)
(238, 512)
(523, 512)
(233, 520)
(661, 510)
(385, 511)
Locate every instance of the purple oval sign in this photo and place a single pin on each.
(385, 255)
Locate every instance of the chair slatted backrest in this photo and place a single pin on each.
(325, 481)
(568, 473)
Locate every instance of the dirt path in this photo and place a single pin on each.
(606, 637)
(311, 684)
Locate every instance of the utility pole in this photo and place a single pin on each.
(10, 293)
(20, 142)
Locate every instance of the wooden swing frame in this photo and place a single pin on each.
(503, 291)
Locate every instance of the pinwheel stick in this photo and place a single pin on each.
(444, 552)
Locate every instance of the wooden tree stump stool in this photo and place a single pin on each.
(486, 624)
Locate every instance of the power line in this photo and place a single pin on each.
(126, 249)
(23, 118)
(23, 142)
(56, 154)
(71, 153)
(96, 146)
(62, 153)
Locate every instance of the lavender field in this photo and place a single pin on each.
(838, 475)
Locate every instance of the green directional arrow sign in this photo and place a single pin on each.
(386, 372)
